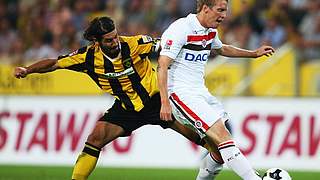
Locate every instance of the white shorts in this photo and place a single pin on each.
(199, 112)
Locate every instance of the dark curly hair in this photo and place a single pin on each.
(98, 27)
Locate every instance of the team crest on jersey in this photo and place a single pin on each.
(198, 124)
(204, 43)
(147, 39)
(127, 63)
(168, 44)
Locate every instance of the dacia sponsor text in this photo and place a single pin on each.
(196, 57)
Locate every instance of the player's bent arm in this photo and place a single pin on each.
(163, 65)
(43, 66)
(232, 51)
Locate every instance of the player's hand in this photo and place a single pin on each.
(264, 51)
(20, 72)
(165, 112)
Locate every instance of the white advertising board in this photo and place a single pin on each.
(51, 130)
(277, 132)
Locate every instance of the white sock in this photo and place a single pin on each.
(236, 161)
(209, 168)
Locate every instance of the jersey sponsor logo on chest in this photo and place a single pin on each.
(116, 75)
(196, 57)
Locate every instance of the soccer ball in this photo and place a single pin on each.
(276, 174)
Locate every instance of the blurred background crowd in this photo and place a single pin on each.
(33, 29)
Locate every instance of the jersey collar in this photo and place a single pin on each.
(195, 22)
(109, 58)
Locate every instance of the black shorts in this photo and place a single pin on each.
(132, 120)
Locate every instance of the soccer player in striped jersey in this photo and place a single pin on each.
(186, 46)
(119, 65)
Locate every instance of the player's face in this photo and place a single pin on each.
(110, 44)
(216, 14)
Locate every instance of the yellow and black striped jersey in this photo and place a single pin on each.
(130, 78)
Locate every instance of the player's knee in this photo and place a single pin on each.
(104, 133)
(217, 134)
(95, 139)
(98, 137)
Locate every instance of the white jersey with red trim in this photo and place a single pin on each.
(188, 43)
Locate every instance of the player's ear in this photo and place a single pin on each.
(205, 9)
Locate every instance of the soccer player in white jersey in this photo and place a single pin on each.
(186, 46)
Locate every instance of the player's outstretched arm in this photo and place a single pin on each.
(232, 51)
(42, 66)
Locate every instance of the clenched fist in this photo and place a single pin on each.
(20, 72)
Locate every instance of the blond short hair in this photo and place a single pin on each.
(209, 3)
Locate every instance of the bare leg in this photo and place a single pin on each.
(104, 133)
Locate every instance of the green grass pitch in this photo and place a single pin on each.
(60, 173)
